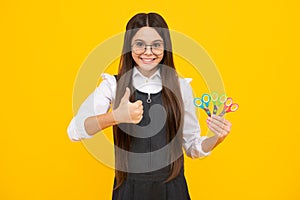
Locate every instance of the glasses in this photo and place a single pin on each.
(139, 48)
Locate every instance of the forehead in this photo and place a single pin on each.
(147, 34)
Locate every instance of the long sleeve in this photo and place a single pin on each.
(98, 102)
(192, 140)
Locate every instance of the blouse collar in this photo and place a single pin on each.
(142, 83)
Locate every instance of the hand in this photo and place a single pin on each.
(128, 112)
(219, 125)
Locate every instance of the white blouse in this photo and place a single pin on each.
(100, 101)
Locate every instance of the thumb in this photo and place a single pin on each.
(125, 98)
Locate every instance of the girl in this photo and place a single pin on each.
(148, 140)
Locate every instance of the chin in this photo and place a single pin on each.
(148, 66)
(152, 65)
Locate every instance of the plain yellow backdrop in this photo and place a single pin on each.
(254, 44)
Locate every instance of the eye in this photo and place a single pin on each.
(139, 44)
(157, 45)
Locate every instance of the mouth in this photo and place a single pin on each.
(147, 60)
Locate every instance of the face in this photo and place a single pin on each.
(147, 60)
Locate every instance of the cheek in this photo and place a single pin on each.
(160, 58)
(135, 57)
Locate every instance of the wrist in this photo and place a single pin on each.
(114, 117)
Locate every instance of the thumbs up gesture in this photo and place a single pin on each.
(128, 112)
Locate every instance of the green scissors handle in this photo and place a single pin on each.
(217, 101)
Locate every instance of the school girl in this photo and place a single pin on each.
(148, 139)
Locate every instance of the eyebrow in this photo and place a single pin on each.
(158, 40)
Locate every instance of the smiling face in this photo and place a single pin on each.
(147, 61)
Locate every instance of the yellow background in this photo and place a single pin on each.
(254, 44)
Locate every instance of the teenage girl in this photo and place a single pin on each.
(148, 140)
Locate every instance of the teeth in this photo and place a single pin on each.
(147, 60)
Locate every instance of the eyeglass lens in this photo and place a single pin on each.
(140, 48)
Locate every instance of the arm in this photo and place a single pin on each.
(126, 112)
(197, 146)
(96, 104)
(93, 116)
(100, 122)
(210, 143)
(192, 141)
(220, 127)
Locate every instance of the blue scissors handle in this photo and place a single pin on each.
(199, 103)
(207, 111)
(206, 99)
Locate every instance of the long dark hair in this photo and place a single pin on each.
(172, 103)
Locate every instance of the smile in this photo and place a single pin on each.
(147, 60)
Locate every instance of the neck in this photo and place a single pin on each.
(147, 73)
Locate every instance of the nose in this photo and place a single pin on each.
(148, 50)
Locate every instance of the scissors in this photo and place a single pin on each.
(229, 106)
(217, 101)
(200, 102)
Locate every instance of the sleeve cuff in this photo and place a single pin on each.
(76, 130)
(197, 151)
(201, 149)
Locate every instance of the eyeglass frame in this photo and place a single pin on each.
(145, 49)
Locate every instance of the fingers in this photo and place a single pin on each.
(215, 127)
(138, 102)
(138, 115)
(219, 125)
(137, 111)
(126, 96)
(220, 121)
(138, 105)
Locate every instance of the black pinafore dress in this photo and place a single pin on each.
(149, 185)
